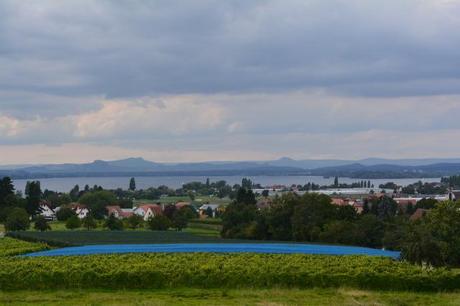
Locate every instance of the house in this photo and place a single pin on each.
(205, 209)
(454, 195)
(147, 211)
(114, 210)
(126, 212)
(179, 205)
(359, 206)
(80, 210)
(338, 202)
(403, 203)
(46, 211)
(118, 212)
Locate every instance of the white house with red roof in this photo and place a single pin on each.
(47, 211)
(80, 210)
(147, 211)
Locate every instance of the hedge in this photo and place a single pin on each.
(207, 270)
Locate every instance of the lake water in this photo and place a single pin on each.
(65, 184)
(264, 248)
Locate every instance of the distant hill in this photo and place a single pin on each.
(357, 170)
(366, 168)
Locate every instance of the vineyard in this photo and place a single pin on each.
(208, 270)
(11, 247)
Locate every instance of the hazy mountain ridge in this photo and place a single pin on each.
(366, 168)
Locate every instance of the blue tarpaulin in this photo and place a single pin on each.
(264, 248)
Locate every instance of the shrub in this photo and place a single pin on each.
(134, 221)
(17, 220)
(159, 223)
(73, 223)
(113, 224)
(41, 224)
(89, 223)
(64, 213)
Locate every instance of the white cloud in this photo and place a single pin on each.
(171, 116)
(229, 79)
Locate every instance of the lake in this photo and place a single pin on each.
(65, 184)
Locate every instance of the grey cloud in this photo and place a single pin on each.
(136, 48)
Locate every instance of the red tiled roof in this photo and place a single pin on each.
(182, 204)
(338, 201)
(154, 207)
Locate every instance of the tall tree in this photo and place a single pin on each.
(240, 215)
(75, 193)
(97, 201)
(132, 184)
(246, 183)
(6, 188)
(33, 197)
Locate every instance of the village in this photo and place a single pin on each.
(358, 198)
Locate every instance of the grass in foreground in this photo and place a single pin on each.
(187, 296)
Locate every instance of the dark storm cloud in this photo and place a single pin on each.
(137, 48)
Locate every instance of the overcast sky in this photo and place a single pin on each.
(228, 80)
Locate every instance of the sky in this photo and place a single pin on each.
(198, 80)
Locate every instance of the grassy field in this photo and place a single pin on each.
(187, 296)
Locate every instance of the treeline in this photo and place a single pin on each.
(312, 218)
(451, 181)
(18, 212)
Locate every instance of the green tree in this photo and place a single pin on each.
(370, 231)
(336, 181)
(180, 219)
(279, 217)
(384, 208)
(309, 216)
(159, 223)
(6, 189)
(246, 183)
(73, 223)
(75, 193)
(135, 221)
(64, 213)
(421, 247)
(33, 197)
(17, 220)
(89, 222)
(96, 201)
(347, 213)
(339, 231)
(132, 184)
(426, 203)
(443, 222)
(113, 223)
(239, 215)
(41, 224)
